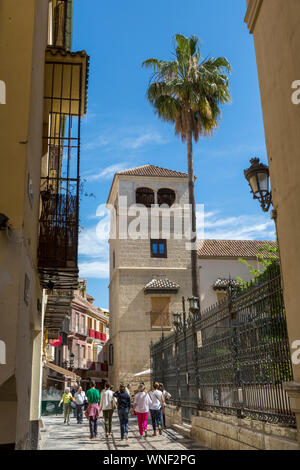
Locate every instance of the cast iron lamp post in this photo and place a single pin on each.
(257, 176)
(194, 306)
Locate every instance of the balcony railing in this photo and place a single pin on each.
(64, 105)
(97, 335)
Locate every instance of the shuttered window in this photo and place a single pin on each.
(160, 313)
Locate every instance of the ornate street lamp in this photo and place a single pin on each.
(258, 178)
(194, 304)
(176, 319)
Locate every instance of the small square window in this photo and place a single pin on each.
(158, 248)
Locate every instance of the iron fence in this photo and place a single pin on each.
(233, 358)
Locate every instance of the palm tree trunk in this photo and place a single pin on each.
(194, 254)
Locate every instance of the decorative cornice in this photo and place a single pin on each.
(252, 13)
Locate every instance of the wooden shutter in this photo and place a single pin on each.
(160, 314)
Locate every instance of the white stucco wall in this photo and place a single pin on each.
(213, 268)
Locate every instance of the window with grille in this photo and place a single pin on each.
(144, 196)
(158, 248)
(160, 313)
(166, 196)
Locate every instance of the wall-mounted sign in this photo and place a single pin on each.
(2, 92)
(2, 353)
(55, 342)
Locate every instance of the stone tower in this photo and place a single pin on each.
(149, 269)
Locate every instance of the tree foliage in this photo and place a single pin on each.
(189, 90)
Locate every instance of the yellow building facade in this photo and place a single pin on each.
(276, 32)
(43, 88)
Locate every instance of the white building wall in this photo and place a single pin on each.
(212, 269)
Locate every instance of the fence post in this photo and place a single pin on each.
(177, 368)
(196, 368)
(235, 351)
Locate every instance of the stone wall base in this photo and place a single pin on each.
(221, 432)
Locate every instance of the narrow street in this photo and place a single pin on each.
(58, 436)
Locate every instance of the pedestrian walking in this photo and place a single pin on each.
(158, 402)
(80, 400)
(92, 413)
(123, 403)
(141, 404)
(107, 405)
(73, 406)
(66, 399)
(166, 395)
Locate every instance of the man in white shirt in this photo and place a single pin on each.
(80, 399)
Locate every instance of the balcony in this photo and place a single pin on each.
(66, 76)
(59, 305)
(96, 335)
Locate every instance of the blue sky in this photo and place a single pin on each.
(121, 130)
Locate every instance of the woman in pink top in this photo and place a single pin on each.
(141, 404)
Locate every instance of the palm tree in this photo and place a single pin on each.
(188, 92)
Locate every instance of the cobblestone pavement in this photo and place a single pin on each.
(59, 436)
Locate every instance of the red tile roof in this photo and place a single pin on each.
(231, 248)
(165, 284)
(152, 170)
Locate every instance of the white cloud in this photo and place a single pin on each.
(94, 269)
(244, 227)
(134, 143)
(98, 142)
(131, 138)
(108, 172)
(90, 244)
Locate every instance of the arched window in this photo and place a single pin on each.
(144, 196)
(166, 196)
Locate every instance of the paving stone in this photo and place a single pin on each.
(59, 436)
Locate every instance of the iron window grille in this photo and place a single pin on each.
(145, 196)
(158, 248)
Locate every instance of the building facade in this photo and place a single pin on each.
(42, 101)
(276, 33)
(219, 264)
(149, 271)
(82, 350)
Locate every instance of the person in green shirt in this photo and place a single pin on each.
(92, 413)
(66, 400)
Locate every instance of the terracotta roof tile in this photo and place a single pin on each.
(231, 248)
(221, 284)
(152, 170)
(165, 284)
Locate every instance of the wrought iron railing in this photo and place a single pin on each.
(233, 358)
(60, 183)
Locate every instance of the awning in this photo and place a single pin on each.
(62, 371)
(144, 372)
(66, 81)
